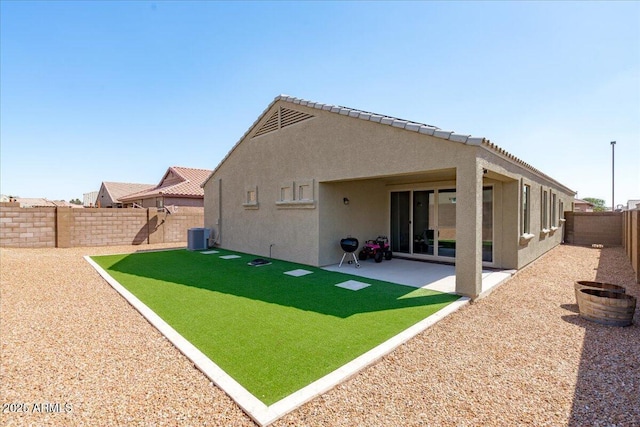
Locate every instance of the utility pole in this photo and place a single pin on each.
(613, 176)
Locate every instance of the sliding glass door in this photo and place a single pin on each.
(487, 224)
(400, 221)
(447, 223)
(423, 222)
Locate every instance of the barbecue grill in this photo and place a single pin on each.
(349, 246)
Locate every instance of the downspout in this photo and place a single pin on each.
(219, 236)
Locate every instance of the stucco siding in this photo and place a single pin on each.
(338, 157)
(542, 240)
(365, 217)
(321, 149)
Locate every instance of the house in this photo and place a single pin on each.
(179, 186)
(111, 193)
(307, 174)
(580, 205)
(633, 204)
(39, 202)
(89, 199)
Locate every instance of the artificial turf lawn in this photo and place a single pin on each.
(271, 332)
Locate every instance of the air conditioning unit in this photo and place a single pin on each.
(197, 239)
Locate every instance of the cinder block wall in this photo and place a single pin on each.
(179, 222)
(631, 240)
(67, 227)
(105, 227)
(588, 228)
(27, 228)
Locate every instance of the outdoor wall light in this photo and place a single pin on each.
(345, 201)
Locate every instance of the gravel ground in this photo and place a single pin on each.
(521, 356)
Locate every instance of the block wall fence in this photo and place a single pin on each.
(588, 228)
(606, 228)
(63, 227)
(631, 243)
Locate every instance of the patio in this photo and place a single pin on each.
(420, 274)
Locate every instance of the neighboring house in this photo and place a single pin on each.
(110, 193)
(179, 186)
(89, 199)
(307, 174)
(31, 202)
(633, 204)
(580, 205)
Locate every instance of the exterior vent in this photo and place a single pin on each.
(282, 118)
(291, 117)
(269, 126)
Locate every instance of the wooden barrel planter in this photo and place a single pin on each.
(601, 286)
(606, 307)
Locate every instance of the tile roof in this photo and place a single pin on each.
(186, 182)
(39, 202)
(576, 200)
(398, 123)
(118, 190)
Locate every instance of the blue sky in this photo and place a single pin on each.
(119, 91)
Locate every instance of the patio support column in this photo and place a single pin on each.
(469, 227)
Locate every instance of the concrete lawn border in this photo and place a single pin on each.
(262, 414)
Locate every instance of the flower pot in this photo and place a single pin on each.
(601, 286)
(606, 307)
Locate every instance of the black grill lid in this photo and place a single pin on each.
(350, 244)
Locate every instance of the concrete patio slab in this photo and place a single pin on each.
(420, 274)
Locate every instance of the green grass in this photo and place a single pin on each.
(272, 333)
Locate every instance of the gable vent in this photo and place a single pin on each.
(282, 118)
(291, 117)
(269, 126)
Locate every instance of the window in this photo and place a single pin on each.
(286, 192)
(554, 221)
(544, 210)
(301, 192)
(526, 208)
(305, 190)
(250, 197)
(487, 224)
(296, 195)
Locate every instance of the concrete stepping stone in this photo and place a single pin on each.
(297, 273)
(353, 285)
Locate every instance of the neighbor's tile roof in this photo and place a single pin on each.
(189, 185)
(576, 200)
(395, 122)
(39, 202)
(118, 190)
